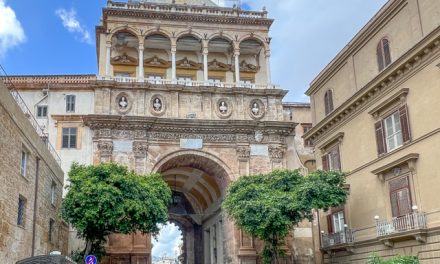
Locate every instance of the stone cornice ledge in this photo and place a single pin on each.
(409, 159)
(400, 95)
(400, 68)
(338, 137)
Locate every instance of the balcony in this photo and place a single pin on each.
(342, 240)
(123, 79)
(411, 226)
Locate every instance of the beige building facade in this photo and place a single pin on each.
(375, 116)
(184, 89)
(31, 183)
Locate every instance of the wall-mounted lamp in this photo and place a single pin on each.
(376, 217)
(415, 208)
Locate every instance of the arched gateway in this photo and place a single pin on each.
(198, 160)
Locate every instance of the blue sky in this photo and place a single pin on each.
(306, 36)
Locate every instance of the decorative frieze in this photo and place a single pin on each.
(204, 137)
(105, 148)
(243, 153)
(140, 149)
(276, 153)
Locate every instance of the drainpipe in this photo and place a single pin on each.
(34, 218)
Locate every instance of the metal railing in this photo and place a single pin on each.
(338, 238)
(414, 221)
(191, 83)
(27, 112)
(187, 9)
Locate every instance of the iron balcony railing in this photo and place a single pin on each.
(413, 221)
(19, 100)
(339, 238)
(123, 79)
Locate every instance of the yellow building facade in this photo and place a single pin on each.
(375, 116)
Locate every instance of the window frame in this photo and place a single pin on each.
(340, 228)
(327, 158)
(70, 103)
(21, 211)
(24, 158)
(328, 102)
(69, 136)
(383, 53)
(396, 132)
(392, 191)
(51, 230)
(39, 113)
(53, 187)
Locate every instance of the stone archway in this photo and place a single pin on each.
(199, 181)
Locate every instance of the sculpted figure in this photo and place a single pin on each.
(223, 107)
(157, 106)
(123, 102)
(255, 109)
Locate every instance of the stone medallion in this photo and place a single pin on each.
(223, 108)
(257, 109)
(123, 103)
(157, 105)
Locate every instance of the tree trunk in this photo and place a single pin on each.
(88, 248)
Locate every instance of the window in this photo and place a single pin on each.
(23, 163)
(331, 160)
(306, 128)
(51, 229)
(393, 131)
(383, 54)
(400, 197)
(53, 193)
(328, 102)
(42, 111)
(70, 103)
(69, 137)
(336, 222)
(21, 211)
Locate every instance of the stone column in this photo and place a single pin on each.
(107, 59)
(105, 149)
(173, 62)
(237, 65)
(205, 64)
(140, 149)
(268, 73)
(243, 154)
(141, 62)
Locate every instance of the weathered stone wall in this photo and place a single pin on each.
(17, 134)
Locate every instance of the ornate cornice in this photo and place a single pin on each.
(382, 84)
(171, 125)
(191, 17)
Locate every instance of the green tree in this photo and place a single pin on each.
(108, 198)
(267, 206)
(396, 260)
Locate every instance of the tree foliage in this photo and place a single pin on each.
(267, 206)
(108, 198)
(396, 260)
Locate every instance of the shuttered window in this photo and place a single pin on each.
(331, 160)
(328, 102)
(336, 222)
(400, 197)
(383, 54)
(21, 211)
(70, 103)
(69, 137)
(393, 131)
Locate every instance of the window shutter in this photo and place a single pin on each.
(404, 200)
(326, 105)
(336, 159)
(330, 100)
(386, 51)
(330, 224)
(380, 61)
(380, 138)
(394, 204)
(404, 122)
(325, 162)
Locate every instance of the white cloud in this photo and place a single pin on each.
(71, 23)
(168, 241)
(11, 32)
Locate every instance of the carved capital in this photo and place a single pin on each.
(140, 149)
(276, 153)
(243, 153)
(105, 148)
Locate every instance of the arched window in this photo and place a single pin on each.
(328, 101)
(383, 54)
